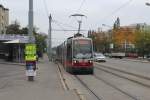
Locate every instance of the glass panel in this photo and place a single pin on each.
(82, 49)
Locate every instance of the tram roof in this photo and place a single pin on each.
(81, 38)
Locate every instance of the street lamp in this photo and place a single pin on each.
(147, 3)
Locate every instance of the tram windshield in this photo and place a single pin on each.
(82, 49)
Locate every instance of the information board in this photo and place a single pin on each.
(30, 52)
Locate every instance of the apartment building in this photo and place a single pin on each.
(4, 19)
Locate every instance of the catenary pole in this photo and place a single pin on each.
(30, 23)
(30, 48)
(50, 37)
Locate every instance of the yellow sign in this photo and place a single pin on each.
(30, 52)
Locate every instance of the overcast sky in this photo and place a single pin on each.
(98, 12)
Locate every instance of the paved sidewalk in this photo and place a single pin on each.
(47, 86)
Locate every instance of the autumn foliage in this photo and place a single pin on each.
(129, 39)
(124, 34)
(100, 41)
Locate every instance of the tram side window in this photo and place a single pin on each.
(69, 52)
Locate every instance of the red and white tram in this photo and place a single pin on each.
(76, 54)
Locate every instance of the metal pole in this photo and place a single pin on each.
(79, 26)
(50, 37)
(30, 23)
(125, 46)
(19, 54)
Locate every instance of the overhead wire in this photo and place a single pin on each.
(67, 30)
(60, 24)
(79, 9)
(63, 24)
(82, 3)
(118, 9)
(57, 22)
(46, 9)
(63, 29)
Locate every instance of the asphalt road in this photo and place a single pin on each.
(133, 89)
(110, 87)
(47, 84)
(138, 67)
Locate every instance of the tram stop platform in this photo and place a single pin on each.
(47, 85)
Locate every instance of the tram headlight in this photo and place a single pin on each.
(90, 61)
(74, 61)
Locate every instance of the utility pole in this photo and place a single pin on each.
(50, 38)
(30, 22)
(30, 48)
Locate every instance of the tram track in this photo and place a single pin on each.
(87, 87)
(136, 78)
(133, 97)
(138, 60)
(93, 91)
(118, 89)
(76, 90)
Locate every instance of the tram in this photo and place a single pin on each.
(76, 54)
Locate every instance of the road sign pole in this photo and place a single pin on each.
(30, 26)
(30, 48)
(50, 39)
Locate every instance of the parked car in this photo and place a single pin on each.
(117, 55)
(148, 57)
(99, 57)
(107, 54)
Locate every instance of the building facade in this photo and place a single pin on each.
(4, 19)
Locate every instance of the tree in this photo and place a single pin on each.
(100, 41)
(41, 43)
(116, 24)
(142, 42)
(122, 37)
(24, 30)
(13, 28)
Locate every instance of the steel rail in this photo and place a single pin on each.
(87, 87)
(124, 77)
(123, 71)
(113, 86)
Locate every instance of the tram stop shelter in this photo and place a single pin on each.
(12, 48)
